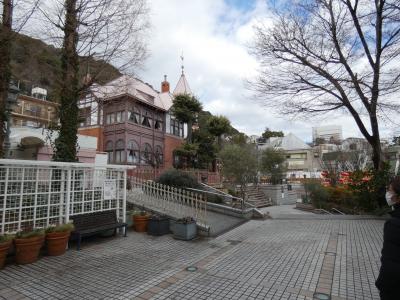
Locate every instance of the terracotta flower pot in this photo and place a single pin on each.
(57, 242)
(140, 222)
(27, 250)
(3, 252)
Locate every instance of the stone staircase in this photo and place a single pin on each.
(256, 197)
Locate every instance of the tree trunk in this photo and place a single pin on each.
(5, 70)
(219, 141)
(377, 154)
(66, 143)
(375, 142)
(189, 133)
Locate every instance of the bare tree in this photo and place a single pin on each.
(9, 25)
(5, 72)
(326, 56)
(110, 31)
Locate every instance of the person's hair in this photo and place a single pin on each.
(395, 183)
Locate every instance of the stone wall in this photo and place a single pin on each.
(279, 194)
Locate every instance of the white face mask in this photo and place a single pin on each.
(389, 196)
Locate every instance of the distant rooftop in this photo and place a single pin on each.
(288, 142)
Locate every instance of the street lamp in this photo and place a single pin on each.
(11, 102)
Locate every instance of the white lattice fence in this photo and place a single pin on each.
(173, 202)
(38, 194)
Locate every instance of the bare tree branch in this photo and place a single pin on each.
(325, 55)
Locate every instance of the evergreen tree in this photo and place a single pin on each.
(185, 109)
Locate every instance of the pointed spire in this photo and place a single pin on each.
(182, 66)
(182, 87)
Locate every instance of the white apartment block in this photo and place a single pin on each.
(328, 133)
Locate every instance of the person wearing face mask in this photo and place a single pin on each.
(389, 274)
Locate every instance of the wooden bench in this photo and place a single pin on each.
(93, 223)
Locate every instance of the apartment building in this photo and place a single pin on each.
(34, 110)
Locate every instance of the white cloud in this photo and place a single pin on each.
(214, 39)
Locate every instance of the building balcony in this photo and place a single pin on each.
(42, 114)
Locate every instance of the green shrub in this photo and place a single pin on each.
(370, 193)
(30, 233)
(232, 192)
(60, 228)
(6, 237)
(317, 193)
(179, 179)
(339, 197)
(214, 198)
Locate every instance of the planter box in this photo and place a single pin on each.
(140, 222)
(304, 206)
(158, 227)
(184, 232)
(129, 220)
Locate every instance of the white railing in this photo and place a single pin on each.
(173, 202)
(36, 194)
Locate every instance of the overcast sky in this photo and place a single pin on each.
(214, 36)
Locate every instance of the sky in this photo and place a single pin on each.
(214, 36)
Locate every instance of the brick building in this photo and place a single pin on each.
(132, 121)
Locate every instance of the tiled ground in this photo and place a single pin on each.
(272, 259)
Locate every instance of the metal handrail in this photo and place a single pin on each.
(323, 210)
(218, 194)
(215, 189)
(335, 209)
(242, 201)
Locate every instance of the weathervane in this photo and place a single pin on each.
(182, 66)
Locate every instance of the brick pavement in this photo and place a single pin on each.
(271, 259)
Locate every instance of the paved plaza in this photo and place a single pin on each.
(269, 259)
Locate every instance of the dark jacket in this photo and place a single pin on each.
(388, 281)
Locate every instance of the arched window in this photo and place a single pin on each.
(120, 151)
(132, 152)
(134, 115)
(147, 154)
(109, 149)
(159, 155)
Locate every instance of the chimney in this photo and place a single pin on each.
(165, 85)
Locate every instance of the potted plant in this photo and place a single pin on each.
(129, 217)
(27, 245)
(185, 229)
(5, 244)
(57, 238)
(158, 225)
(140, 220)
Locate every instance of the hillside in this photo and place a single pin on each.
(34, 63)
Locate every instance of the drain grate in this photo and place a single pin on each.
(321, 296)
(234, 242)
(191, 269)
